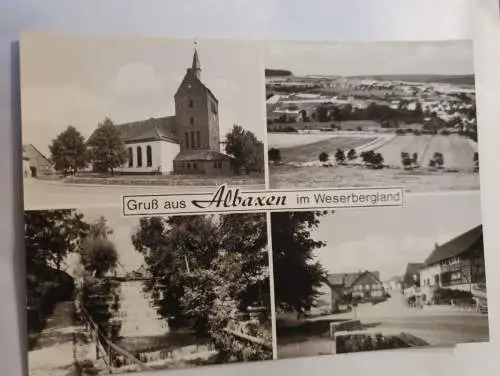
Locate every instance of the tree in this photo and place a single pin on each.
(247, 150)
(50, 235)
(205, 269)
(274, 155)
(68, 151)
(98, 255)
(323, 156)
(351, 155)
(107, 147)
(377, 160)
(418, 112)
(340, 156)
(406, 160)
(367, 156)
(297, 275)
(322, 114)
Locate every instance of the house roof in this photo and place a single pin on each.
(31, 148)
(156, 129)
(456, 246)
(346, 279)
(413, 267)
(201, 155)
(373, 275)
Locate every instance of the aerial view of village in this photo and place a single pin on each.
(377, 114)
(151, 115)
(106, 296)
(347, 281)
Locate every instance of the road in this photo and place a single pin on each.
(441, 326)
(40, 194)
(438, 327)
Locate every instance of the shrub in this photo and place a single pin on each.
(445, 296)
(352, 155)
(323, 156)
(274, 155)
(340, 156)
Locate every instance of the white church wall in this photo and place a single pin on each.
(162, 156)
(169, 151)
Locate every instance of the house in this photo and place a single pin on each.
(457, 264)
(185, 143)
(367, 285)
(411, 277)
(340, 286)
(395, 283)
(35, 163)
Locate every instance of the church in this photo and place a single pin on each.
(186, 143)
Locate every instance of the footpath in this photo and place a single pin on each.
(53, 351)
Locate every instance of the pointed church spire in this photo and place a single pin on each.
(196, 67)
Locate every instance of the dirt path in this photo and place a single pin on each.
(53, 352)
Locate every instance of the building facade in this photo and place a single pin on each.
(367, 286)
(458, 264)
(35, 163)
(345, 286)
(186, 143)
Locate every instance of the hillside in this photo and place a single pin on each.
(427, 78)
(277, 72)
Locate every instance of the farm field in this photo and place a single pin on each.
(287, 140)
(309, 152)
(458, 151)
(345, 125)
(356, 176)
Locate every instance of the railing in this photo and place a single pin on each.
(108, 348)
(249, 338)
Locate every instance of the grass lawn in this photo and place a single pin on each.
(161, 180)
(357, 176)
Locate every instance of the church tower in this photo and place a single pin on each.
(196, 112)
(196, 67)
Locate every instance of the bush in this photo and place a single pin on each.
(445, 296)
(340, 156)
(352, 155)
(323, 156)
(274, 155)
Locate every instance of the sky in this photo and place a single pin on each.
(365, 58)
(81, 80)
(387, 239)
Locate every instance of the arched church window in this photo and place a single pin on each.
(191, 120)
(198, 139)
(191, 104)
(187, 140)
(149, 156)
(139, 156)
(193, 145)
(130, 157)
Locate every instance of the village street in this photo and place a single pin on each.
(436, 325)
(41, 194)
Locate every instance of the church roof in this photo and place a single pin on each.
(201, 155)
(153, 129)
(456, 246)
(196, 61)
(189, 75)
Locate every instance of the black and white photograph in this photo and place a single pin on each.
(356, 114)
(365, 280)
(108, 294)
(105, 116)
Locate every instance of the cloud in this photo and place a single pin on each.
(136, 78)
